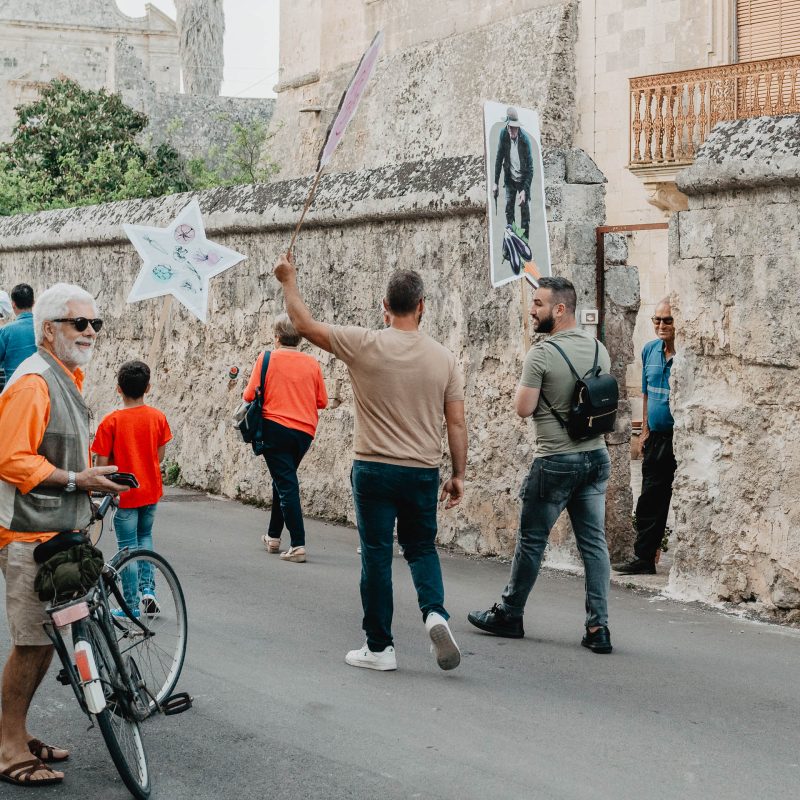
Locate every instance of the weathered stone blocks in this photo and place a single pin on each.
(735, 266)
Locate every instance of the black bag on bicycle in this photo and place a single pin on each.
(593, 409)
(69, 570)
(251, 425)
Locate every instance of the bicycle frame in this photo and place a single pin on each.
(83, 674)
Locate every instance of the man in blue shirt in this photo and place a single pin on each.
(658, 463)
(17, 339)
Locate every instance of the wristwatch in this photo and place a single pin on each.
(71, 485)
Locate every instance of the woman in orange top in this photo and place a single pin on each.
(295, 390)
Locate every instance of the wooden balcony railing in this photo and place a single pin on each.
(672, 114)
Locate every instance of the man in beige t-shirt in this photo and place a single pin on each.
(405, 386)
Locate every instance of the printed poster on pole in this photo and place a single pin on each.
(518, 242)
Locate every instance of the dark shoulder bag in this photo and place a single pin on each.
(593, 409)
(252, 424)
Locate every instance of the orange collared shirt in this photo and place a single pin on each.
(24, 417)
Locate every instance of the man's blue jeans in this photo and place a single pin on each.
(382, 494)
(577, 482)
(134, 530)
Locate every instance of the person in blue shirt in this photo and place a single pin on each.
(17, 339)
(658, 459)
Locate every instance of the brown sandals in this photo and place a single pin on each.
(20, 774)
(45, 752)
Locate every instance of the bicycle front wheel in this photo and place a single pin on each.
(153, 593)
(120, 731)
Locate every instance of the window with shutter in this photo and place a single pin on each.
(767, 29)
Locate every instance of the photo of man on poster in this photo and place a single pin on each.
(516, 205)
(515, 159)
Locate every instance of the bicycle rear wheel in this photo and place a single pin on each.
(152, 590)
(120, 731)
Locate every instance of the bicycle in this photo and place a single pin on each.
(125, 661)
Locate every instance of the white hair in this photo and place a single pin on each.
(52, 304)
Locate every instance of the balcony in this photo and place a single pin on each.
(672, 114)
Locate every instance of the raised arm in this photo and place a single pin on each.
(457, 442)
(317, 333)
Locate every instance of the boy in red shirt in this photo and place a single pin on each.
(134, 438)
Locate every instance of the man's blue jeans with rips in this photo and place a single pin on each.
(382, 494)
(577, 482)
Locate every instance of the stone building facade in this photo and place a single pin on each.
(42, 40)
(571, 59)
(95, 44)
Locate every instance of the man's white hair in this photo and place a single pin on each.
(52, 304)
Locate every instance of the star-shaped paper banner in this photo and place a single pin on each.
(179, 260)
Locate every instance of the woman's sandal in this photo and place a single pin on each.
(45, 752)
(20, 774)
(272, 545)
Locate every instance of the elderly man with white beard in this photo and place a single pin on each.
(45, 479)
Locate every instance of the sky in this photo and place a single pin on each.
(251, 43)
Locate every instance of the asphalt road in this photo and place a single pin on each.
(691, 704)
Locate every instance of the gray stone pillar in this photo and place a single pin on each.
(621, 306)
(735, 272)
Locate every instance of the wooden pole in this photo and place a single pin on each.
(303, 215)
(155, 348)
(523, 300)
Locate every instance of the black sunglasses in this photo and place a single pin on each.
(659, 320)
(81, 323)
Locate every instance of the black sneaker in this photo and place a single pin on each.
(599, 641)
(636, 567)
(496, 621)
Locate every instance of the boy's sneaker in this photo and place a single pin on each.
(365, 658)
(150, 605)
(443, 645)
(120, 614)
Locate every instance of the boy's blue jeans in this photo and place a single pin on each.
(134, 530)
(384, 493)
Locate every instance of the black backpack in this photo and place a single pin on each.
(593, 409)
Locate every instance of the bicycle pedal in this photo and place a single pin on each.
(177, 704)
(62, 677)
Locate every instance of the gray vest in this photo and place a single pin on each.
(65, 445)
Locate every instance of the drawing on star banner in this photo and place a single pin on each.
(518, 242)
(179, 261)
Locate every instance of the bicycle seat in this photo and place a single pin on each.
(61, 541)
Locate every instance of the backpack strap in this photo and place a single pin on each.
(264, 365)
(572, 370)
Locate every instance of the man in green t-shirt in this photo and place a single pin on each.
(565, 474)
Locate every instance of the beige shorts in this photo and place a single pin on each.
(24, 610)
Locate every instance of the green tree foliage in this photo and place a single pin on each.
(244, 160)
(74, 146)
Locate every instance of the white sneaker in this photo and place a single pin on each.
(369, 660)
(443, 645)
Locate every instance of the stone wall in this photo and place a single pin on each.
(735, 272)
(425, 215)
